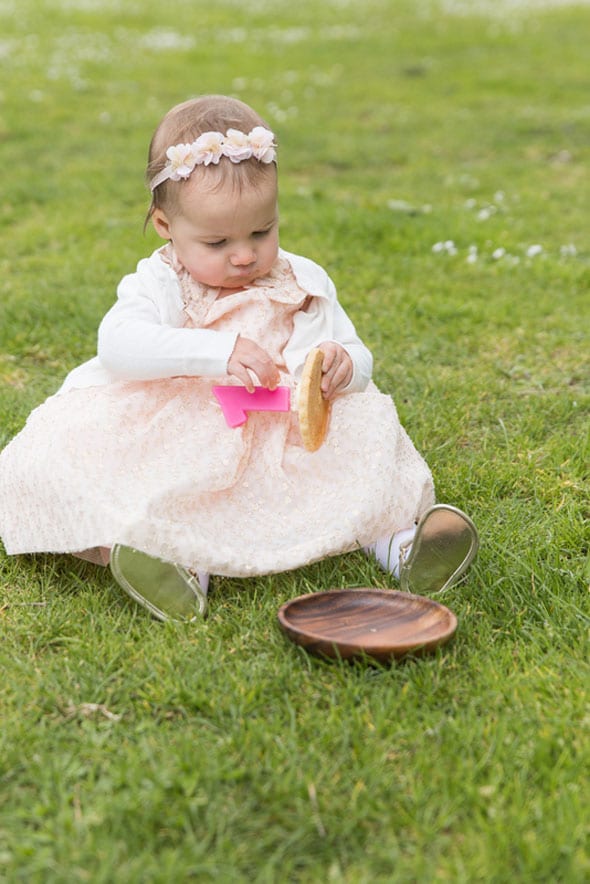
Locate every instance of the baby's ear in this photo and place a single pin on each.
(161, 224)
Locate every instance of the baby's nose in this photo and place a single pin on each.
(243, 256)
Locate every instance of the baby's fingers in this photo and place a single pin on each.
(338, 380)
(243, 375)
(264, 369)
(249, 357)
(268, 374)
(336, 369)
(330, 353)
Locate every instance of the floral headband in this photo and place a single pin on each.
(211, 146)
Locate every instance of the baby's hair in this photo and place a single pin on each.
(183, 124)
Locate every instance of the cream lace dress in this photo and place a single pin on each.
(152, 464)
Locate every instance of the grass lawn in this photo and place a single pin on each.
(434, 157)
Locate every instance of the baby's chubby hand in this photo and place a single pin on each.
(248, 357)
(336, 369)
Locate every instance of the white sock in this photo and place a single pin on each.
(202, 577)
(386, 549)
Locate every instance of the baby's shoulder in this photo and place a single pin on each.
(151, 276)
(158, 266)
(153, 281)
(310, 276)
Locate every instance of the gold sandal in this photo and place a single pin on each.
(166, 590)
(441, 551)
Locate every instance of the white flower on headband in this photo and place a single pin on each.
(211, 146)
(208, 148)
(236, 146)
(262, 144)
(181, 161)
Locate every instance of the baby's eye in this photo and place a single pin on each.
(260, 233)
(216, 244)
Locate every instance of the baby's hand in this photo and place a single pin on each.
(336, 369)
(248, 357)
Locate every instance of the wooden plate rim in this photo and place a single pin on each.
(394, 649)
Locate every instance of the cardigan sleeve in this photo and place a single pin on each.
(141, 337)
(324, 319)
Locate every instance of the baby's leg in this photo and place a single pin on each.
(387, 549)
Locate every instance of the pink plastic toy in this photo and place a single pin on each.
(236, 401)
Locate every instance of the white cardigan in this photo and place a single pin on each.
(142, 335)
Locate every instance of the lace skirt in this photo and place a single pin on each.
(153, 465)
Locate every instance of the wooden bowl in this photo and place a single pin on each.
(379, 623)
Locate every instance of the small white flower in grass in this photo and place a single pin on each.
(448, 246)
(236, 146)
(486, 213)
(400, 206)
(499, 196)
(163, 40)
(498, 253)
(471, 258)
(470, 203)
(534, 250)
(403, 206)
(208, 148)
(568, 251)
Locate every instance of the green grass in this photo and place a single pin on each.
(134, 751)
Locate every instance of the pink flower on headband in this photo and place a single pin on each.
(208, 148)
(236, 146)
(262, 144)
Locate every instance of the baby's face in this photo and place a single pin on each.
(224, 239)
